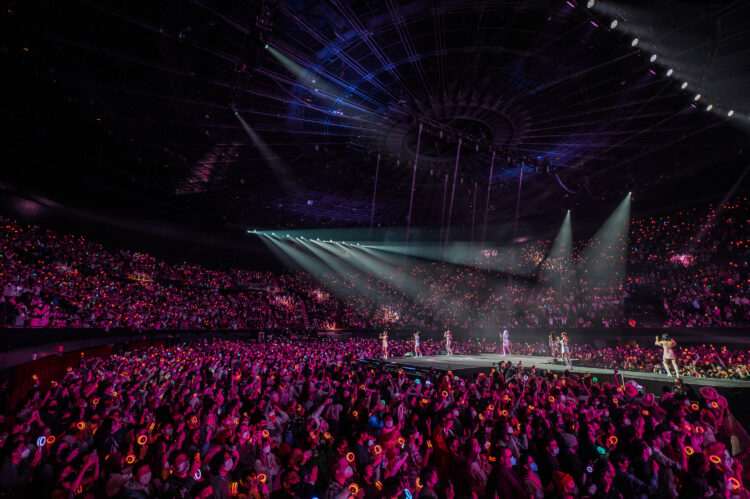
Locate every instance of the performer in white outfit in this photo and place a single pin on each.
(448, 337)
(384, 337)
(506, 343)
(417, 348)
(565, 350)
(667, 344)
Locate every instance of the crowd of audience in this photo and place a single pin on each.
(696, 264)
(685, 270)
(52, 280)
(308, 419)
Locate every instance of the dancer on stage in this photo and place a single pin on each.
(554, 345)
(506, 342)
(667, 344)
(417, 348)
(384, 337)
(448, 337)
(565, 349)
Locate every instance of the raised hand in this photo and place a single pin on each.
(313, 475)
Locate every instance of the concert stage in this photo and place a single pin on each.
(470, 364)
(735, 391)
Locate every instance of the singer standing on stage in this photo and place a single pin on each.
(384, 337)
(448, 337)
(506, 342)
(565, 349)
(667, 344)
(417, 347)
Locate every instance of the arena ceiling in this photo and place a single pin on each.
(128, 108)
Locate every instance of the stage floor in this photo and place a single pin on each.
(485, 362)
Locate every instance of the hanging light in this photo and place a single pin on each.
(709, 107)
(613, 24)
(670, 72)
(634, 42)
(684, 85)
(653, 58)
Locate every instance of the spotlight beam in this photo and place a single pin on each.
(342, 269)
(459, 253)
(380, 271)
(557, 262)
(387, 269)
(307, 262)
(604, 260)
(276, 164)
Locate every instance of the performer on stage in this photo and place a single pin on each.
(506, 342)
(417, 348)
(554, 345)
(565, 349)
(448, 337)
(384, 337)
(667, 344)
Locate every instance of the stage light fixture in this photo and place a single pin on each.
(684, 85)
(731, 112)
(670, 71)
(653, 58)
(590, 4)
(613, 24)
(709, 107)
(634, 42)
(266, 46)
(697, 97)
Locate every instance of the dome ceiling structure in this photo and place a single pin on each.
(333, 92)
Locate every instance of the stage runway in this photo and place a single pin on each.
(468, 364)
